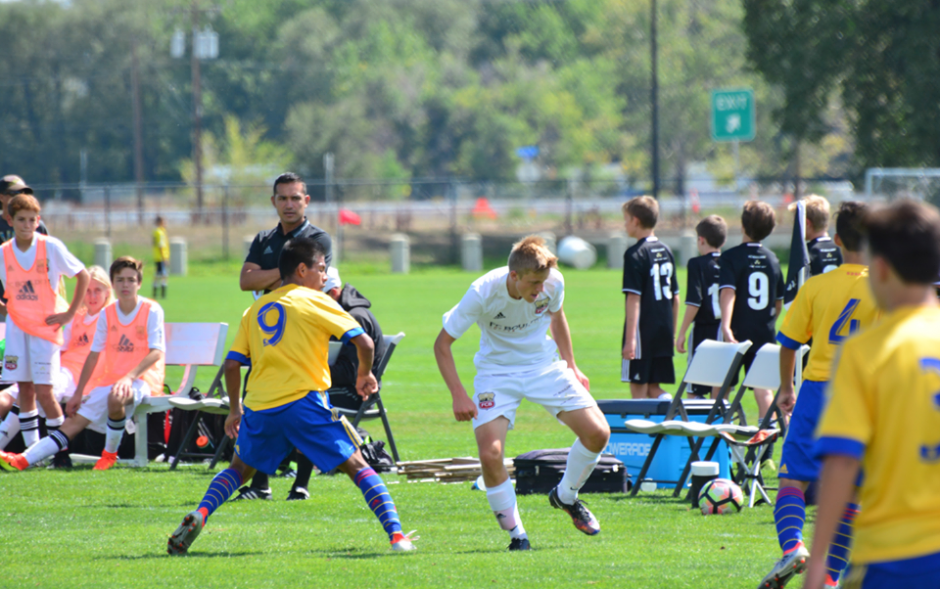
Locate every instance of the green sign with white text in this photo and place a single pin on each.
(733, 115)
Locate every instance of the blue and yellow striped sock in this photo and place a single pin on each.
(841, 546)
(220, 489)
(378, 500)
(789, 515)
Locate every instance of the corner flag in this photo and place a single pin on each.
(799, 256)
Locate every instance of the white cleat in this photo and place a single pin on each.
(404, 542)
(786, 568)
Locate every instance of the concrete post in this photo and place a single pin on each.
(471, 252)
(687, 247)
(400, 250)
(103, 256)
(178, 262)
(616, 246)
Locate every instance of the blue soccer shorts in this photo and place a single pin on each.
(922, 572)
(309, 424)
(797, 461)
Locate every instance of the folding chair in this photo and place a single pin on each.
(714, 364)
(373, 406)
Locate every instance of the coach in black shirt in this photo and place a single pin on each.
(260, 273)
(290, 199)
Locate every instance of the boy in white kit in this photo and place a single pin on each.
(31, 265)
(514, 307)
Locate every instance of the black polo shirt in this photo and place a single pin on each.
(267, 245)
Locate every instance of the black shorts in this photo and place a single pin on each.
(648, 370)
(161, 269)
(701, 333)
(344, 398)
(748, 360)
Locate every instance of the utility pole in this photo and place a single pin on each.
(654, 99)
(197, 110)
(138, 135)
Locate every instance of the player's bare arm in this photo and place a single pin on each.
(81, 285)
(91, 361)
(675, 310)
(366, 385)
(123, 387)
(726, 302)
(254, 278)
(562, 336)
(464, 408)
(836, 483)
(787, 396)
(691, 311)
(632, 311)
(233, 384)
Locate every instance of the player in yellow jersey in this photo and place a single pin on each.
(284, 337)
(883, 415)
(827, 309)
(161, 257)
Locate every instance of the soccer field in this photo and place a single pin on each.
(93, 529)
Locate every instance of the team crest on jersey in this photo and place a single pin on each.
(141, 332)
(11, 362)
(540, 306)
(487, 400)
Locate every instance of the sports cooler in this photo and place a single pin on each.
(632, 448)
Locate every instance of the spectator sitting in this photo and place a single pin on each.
(343, 372)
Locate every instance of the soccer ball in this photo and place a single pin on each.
(720, 496)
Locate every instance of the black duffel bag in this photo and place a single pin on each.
(540, 471)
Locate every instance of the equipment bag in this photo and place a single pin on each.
(540, 471)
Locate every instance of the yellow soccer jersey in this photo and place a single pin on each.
(884, 408)
(285, 338)
(161, 245)
(827, 309)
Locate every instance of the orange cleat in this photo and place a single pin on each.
(13, 462)
(107, 460)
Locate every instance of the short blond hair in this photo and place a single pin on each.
(99, 274)
(531, 255)
(645, 209)
(818, 211)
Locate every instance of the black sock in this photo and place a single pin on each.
(260, 481)
(163, 291)
(304, 470)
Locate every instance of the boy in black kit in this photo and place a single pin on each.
(652, 304)
(751, 290)
(701, 293)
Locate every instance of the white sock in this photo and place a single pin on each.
(55, 423)
(46, 447)
(29, 425)
(9, 428)
(115, 431)
(502, 500)
(581, 463)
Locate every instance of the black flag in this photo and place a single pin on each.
(799, 255)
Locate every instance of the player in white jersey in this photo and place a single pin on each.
(515, 306)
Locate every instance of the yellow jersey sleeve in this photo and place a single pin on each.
(797, 328)
(241, 349)
(333, 319)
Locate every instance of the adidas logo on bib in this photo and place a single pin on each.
(27, 292)
(125, 345)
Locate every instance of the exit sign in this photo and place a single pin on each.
(733, 115)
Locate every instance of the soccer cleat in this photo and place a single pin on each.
(61, 460)
(404, 542)
(830, 583)
(185, 534)
(246, 493)
(519, 544)
(581, 516)
(107, 460)
(792, 564)
(298, 494)
(13, 462)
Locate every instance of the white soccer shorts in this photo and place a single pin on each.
(554, 387)
(29, 358)
(95, 405)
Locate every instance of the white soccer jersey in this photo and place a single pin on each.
(513, 332)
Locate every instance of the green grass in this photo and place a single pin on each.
(88, 529)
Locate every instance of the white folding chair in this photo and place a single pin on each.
(714, 364)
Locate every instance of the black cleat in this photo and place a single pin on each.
(61, 460)
(298, 494)
(581, 516)
(246, 493)
(519, 544)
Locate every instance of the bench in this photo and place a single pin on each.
(189, 345)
